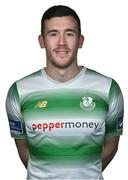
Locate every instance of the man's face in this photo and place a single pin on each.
(61, 40)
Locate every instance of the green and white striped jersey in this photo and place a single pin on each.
(65, 124)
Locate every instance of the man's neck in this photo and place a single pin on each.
(64, 74)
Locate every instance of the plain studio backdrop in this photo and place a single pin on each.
(105, 27)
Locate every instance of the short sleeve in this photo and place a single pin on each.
(114, 120)
(15, 118)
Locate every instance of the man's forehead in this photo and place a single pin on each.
(61, 21)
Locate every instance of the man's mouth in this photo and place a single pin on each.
(62, 51)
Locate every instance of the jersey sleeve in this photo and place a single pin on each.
(15, 118)
(114, 120)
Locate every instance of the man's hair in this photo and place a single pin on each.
(59, 11)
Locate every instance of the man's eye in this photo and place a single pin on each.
(70, 34)
(53, 34)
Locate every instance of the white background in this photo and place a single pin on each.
(105, 27)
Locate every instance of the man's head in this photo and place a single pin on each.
(61, 36)
(59, 11)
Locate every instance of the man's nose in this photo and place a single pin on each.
(62, 40)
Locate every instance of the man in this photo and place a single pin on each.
(66, 119)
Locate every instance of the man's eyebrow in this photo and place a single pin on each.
(71, 30)
(52, 31)
(66, 30)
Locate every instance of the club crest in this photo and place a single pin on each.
(87, 103)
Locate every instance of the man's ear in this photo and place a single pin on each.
(81, 41)
(41, 41)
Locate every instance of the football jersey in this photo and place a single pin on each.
(65, 123)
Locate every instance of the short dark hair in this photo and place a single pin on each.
(59, 11)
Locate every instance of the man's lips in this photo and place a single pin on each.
(62, 51)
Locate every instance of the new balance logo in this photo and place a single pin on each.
(41, 104)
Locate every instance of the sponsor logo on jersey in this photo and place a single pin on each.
(87, 103)
(42, 104)
(15, 126)
(65, 125)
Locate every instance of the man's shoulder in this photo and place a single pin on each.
(29, 77)
(96, 74)
(26, 80)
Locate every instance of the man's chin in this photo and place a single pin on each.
(62, 65)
